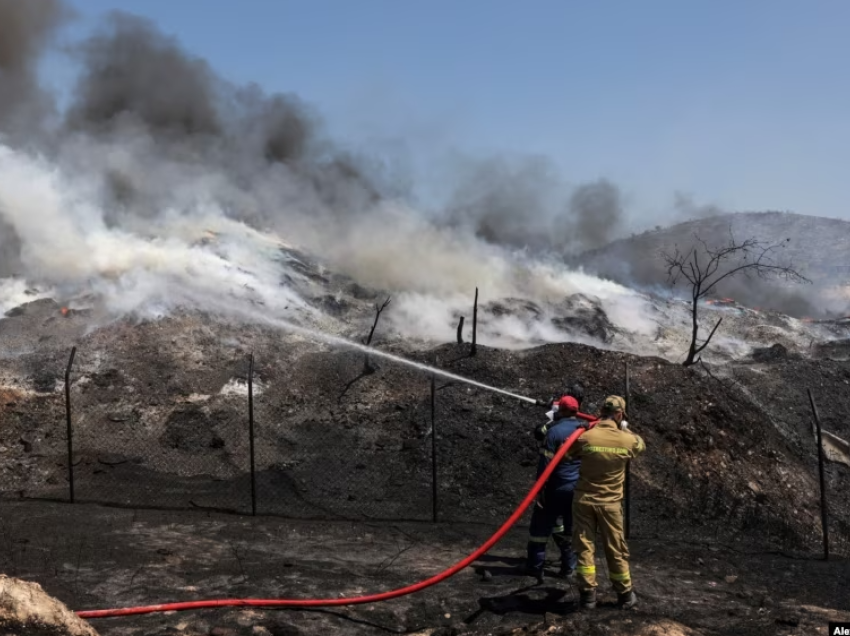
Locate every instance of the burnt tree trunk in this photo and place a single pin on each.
(368, 367)
(692, 349)
(472, 351)
(460, 331)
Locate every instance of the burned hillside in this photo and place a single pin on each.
(160, 419)
(344, 461)
(815, 247)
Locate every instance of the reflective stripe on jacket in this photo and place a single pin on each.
(604, 451)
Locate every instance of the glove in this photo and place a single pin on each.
(624, 425)
(540, 431)
(584, 424)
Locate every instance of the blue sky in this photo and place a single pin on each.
(741, 104)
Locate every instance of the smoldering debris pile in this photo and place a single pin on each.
(163, 187)
(155, 425)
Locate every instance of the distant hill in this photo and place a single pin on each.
(819, 248)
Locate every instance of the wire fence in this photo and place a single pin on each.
(236, 453)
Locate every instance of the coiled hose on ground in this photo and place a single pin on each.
(370, 598)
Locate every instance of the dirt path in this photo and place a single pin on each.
(92, 557)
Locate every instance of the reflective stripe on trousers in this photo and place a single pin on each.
(544, 524)
(608, 521)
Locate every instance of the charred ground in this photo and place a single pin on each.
(160, 420)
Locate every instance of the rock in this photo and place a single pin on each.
(730, 578)
(223, 631)
(25, 608)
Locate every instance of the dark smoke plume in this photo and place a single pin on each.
(132, 70)
(523, 204)
(596, 211)
(284, 125)
(25, 29)
(140, 90)
(506, 203)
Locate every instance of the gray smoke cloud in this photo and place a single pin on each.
(25, 29)
(687, 209)
(523, 203)
(155, 121)
(596, 211)
(132, 71)
(156, 149)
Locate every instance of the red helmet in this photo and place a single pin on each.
(568, 403)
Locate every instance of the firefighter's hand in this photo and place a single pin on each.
(584, 424)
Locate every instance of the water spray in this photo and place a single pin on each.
(344, 342)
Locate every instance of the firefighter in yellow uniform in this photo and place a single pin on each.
(604, 451)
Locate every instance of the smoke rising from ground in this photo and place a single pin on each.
(523, 203)
(121, 194)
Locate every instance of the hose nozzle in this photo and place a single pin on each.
(541, 403)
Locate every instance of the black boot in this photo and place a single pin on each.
(588, 599)
(627, 600)
(530, 570)
(566, 572)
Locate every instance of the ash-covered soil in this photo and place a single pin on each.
(160, 420)
(92, 557)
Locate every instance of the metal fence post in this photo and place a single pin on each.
(434, 506)
(474, 347)
(251, 433)
(69, 430)
(824, 518)
(627, 485)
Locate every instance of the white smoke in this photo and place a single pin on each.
(67, 245)
(191, 254)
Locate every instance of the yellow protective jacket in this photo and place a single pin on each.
(604, 451)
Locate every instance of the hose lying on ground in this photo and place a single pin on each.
(358, 600)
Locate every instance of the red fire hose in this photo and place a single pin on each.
(371, 598)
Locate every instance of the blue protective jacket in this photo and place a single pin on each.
(565, 476)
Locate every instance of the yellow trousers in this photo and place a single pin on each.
(608, 520)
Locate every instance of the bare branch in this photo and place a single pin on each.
(705, 266)
(707, 340)
(378, 311)
(367, 363)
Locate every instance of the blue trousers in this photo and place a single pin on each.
(544, 524)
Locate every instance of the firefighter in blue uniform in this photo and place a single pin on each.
(556, 497)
